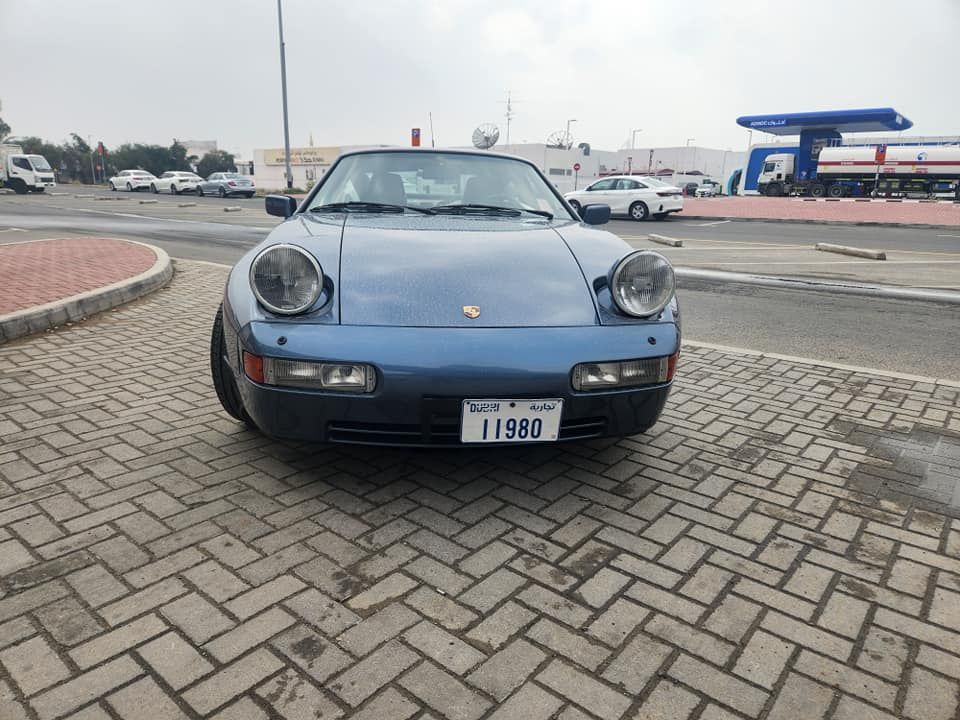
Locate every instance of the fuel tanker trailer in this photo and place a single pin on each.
(865, 170)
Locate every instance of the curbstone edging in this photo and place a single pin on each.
(664, 240)
(854, 251)
(77, 307)
(232, 208)
(887, 292)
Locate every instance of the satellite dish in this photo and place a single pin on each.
(561, 140)
(486, 136)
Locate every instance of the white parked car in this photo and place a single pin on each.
(637, 197)
(176, 182)
(707, 188)
(131, 180)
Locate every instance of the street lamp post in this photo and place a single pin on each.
(283, 87)
(569, 137)
(633, 137)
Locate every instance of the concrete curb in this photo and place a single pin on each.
(664, 240)
(886, 292)
(853, 251)
(77, 307)
(804, 221)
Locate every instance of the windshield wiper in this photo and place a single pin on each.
(364, 206)
(498, 209)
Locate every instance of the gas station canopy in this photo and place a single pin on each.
(865, 120)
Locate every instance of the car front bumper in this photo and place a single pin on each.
(424, 374)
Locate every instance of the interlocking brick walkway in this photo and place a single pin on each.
(944, 212)
(41, 271)
(782, 546)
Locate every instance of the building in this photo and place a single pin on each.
(198, 148)
(673, 164)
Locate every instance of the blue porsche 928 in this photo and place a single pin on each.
(439, 297)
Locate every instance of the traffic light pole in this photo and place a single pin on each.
(283, 85)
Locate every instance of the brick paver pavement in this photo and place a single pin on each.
(41, 271)
(781, 546)
(943, 212)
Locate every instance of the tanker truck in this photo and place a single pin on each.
(24, 173)
(865, 170)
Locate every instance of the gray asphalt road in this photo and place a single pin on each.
(916, 338)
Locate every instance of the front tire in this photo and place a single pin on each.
(222, 191)
(129, 187)
(223, 381)
(576, 206)
(639, 211)
(199, 191)
(113, 188)
(153, 188)
(774, 190)
(18, 186)
(173, 189)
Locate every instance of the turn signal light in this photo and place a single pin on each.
(628, 373)
(253, 366)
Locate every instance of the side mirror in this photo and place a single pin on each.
(281, 205)
(597, 214)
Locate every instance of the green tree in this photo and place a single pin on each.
(4, 128)
(216, 161)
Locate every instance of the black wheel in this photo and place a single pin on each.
(223, 381)
(222, 192)
(818, 190)
(113, 188)
(638, 211)
(836, 191)
(18, 186)
(774, 190)
(957, 192)
(173, 189)
(199, 191)
(250, 195)
(576, 206)
(129, 187)
(660, 216)
(153, 188)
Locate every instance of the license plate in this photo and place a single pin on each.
(506, 421)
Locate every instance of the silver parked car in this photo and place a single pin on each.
(225, 184)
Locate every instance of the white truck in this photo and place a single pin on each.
(24, 173)
(864, 170)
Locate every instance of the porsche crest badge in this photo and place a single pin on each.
(471, 311)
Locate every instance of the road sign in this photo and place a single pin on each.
(881, 155)
(415, 137)
(576, 167)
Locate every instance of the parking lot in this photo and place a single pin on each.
(915, 257)
(782, 544)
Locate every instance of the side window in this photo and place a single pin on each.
(22, 163)
(768, 167)
(166, 175)
(630, 185)
(603, 185)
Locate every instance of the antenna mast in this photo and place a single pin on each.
(508, 115)
(431, 130)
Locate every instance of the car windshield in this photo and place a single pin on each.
(39, 162)
(444, 181)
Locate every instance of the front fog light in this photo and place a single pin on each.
(345, 377)
(629, 373)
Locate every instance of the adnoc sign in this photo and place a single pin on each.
(768, 123)
(302, 156)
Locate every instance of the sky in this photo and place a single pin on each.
(363, 72)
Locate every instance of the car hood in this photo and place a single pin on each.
(404, 270)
